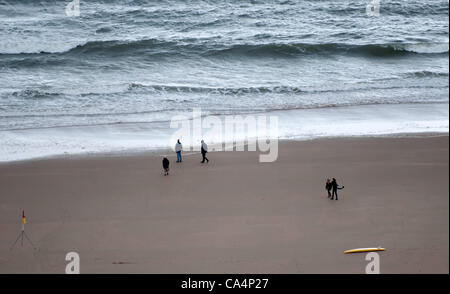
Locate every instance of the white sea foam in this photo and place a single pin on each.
(302, 124)
(427, 48)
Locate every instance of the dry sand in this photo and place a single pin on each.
(233, 215)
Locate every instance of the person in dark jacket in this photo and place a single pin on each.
(204, 150)
(328, 187)
(165, 163)
(335, 187)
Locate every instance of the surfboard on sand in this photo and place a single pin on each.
(358, 250)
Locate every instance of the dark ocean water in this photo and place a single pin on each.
(142, 62)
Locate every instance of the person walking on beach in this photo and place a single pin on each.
(335, 187)
(204, 150)
(178, 149)
(328, 187)
(165, 163)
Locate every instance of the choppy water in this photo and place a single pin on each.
(141, 62)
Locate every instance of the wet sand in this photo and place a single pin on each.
(234, 214)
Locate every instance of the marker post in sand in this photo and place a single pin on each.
(22, 233)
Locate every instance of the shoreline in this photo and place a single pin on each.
(234, 214)
(296, 124)
(167, 151)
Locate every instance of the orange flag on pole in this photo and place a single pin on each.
(24, 219)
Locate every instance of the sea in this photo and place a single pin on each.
(110, 76)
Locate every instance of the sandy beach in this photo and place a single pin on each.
(234, 214)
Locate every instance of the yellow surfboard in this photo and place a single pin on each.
(358, 250)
